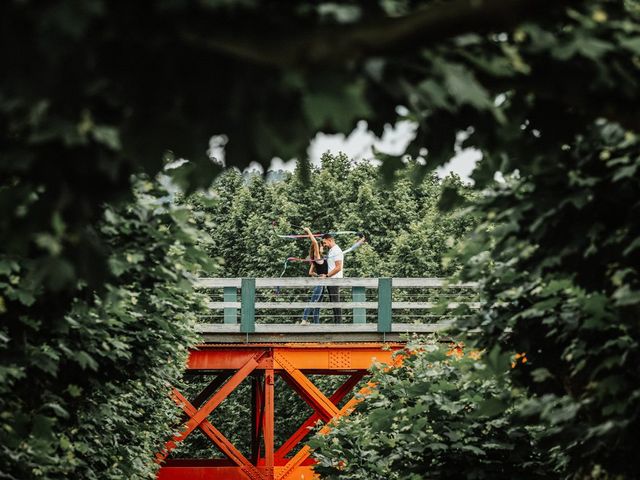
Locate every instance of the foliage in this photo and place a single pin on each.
(560, 280)
(107, 77)
(120, 83)
(439, 415)
(83, 388)
(420, 250)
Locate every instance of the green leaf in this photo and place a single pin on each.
(57, 409)
(497, 360)
(463, 87)
(337, 109)
(473, 449)
(490, 407)
(85, 360)
(625, 172)
(632, 44)
(540, 375)
(108, 136)
(625, 296)
(42, 427)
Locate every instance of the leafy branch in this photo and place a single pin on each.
(335, 44)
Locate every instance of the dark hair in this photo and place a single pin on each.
(327, 235)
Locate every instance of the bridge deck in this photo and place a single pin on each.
(315, 333)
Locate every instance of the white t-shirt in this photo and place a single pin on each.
(334, 255)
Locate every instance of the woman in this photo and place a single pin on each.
(318, 268)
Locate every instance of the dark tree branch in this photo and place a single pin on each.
(333, 45)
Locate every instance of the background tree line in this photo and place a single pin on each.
(407, 234)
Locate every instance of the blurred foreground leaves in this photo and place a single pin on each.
(85, 378)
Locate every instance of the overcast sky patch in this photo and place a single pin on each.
(359, 145)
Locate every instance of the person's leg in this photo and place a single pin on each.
(337, 312)
(334, 296)
(318, 291)
(316, 295)
(308, 310)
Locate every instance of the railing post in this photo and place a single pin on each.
(248, 305)
(358, 295)
(384, 305)
(230, 294)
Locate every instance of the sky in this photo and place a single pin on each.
(358, 145)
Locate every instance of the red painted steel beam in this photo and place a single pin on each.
(221, 441)
(208, 391)
(226, 473)
(305, 428)
(310, 393)
(336, 358)
(212, 403)
(257, 407)
(293, 362)
(322, 413)
(221, 358)
(289, 470)
(223, 393)
(269, 420)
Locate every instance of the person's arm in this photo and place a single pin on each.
(312, 270)
(314, 244)
(356, 245)
(336, 269)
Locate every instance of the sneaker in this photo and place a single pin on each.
(303, 322)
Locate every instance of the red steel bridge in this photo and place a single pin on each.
(253, 334)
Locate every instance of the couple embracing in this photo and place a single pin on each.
(330, 265)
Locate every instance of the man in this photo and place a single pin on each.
(335, 262)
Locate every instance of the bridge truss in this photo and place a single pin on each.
(260, 363)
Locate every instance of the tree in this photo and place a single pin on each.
(558, 256)
(247, 214)
(421, 249)
(440, 415)
(111, 92)
(85, 392)
(107, 90)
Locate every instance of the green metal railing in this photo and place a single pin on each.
(422, 293)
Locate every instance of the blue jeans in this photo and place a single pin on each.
(316, 296)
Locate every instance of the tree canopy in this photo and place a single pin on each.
(407, 234)
(440, 415)
(84, 377)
